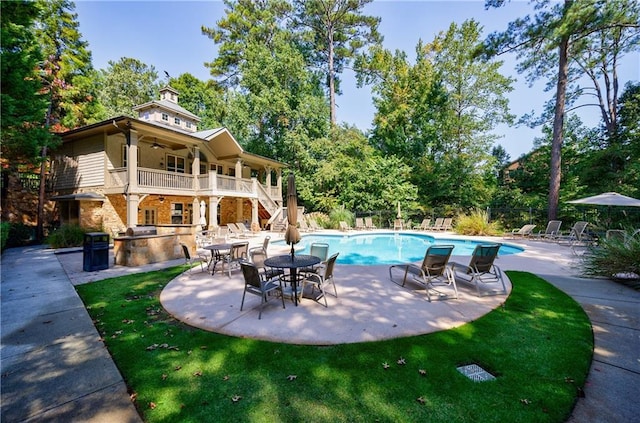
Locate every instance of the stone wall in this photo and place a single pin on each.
(138, 251)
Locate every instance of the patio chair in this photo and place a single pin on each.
(360, 223)
(437, 225)
(257, 257)
(368, 223)
(237, 254)
(552, 231)
(255, 284)
(263, 247)
(525, 232)
(234, 231)
(481, 270)
(398, 225)
(424, 225)
(192, 260)
(320, 250)
(344, 226)
(321, 280)
(433, 274)
(447, 224)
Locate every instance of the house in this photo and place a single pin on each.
(159, 169)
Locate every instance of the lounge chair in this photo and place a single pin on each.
(424, 225)
(243, 230)
(551, 233)
(525, 232)
(481, 271)
(447, 224)
(234, 231)
(314, 225)
(344, 226)
(368, 223)
(437, 225)
(576, 234)
(303, 225)
(360, 223)
(398, 225)
(433, 274)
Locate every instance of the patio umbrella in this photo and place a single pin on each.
(608, 199)
(292, 236)
(203, 213)
(399, 215)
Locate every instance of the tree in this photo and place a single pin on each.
(337, 32)
(126, 84)
(549, 40)
(23, 106)
(204, 99)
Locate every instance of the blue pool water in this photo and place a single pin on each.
(387, 248)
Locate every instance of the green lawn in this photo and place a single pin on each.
(539, 346)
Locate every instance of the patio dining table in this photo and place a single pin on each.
(218, 253)
(286, 261)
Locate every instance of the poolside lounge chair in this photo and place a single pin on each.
(525, 232)
(359, 223)
(481, 271)
(424, 225)
(322, 279)
(243, 230)
(447, 224)
(398, 225)
(314, 225)
(576, 234)
(552, 231)
(255, 284)
(433, 274)
(234, 231)
(303, 225)
(368, 223)
(437, 225)
(344, 226)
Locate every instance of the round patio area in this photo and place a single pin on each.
(369, 307)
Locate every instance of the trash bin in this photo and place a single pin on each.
(96, 251)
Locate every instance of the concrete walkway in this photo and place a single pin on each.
(55, 367)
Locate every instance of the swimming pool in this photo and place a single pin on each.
(387, 248)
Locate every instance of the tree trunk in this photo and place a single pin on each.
(332, 84)
(558, 123)
(41, 192)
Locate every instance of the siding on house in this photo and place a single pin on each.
(80, 164)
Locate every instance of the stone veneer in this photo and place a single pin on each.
(137, 251)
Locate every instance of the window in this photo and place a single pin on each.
(70, 212)
(125, 156)
(177, 211)
(176, 121)
(165, 117)
(150, 216)
(175, 164)
(188, 124)
(145, 115)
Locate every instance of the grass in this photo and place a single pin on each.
(539, 345)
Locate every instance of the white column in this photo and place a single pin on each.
(132, 197)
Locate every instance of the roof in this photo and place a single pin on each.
(167, 105)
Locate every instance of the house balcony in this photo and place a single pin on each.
(154, 181)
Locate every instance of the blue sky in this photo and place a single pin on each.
(167, 35)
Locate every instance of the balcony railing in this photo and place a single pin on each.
(152, 180)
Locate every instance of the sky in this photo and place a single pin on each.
(167, 35)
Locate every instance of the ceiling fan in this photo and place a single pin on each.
(156, 146)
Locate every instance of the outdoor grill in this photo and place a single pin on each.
(139, 231)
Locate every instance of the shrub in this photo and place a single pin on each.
(321, 219)
(4, 234)
(338, 215)
(19, 234)
(66, 236)
(476, 223)
(614, 259)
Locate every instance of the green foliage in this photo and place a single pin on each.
(614, 258)
(322, 219)
(539, 345)
(66, 236)
(476, 223)
(4, 234)
(340, 214)
(125, 84)
(19, 234)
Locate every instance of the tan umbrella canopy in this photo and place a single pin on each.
(399, 215)
(292, 236)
